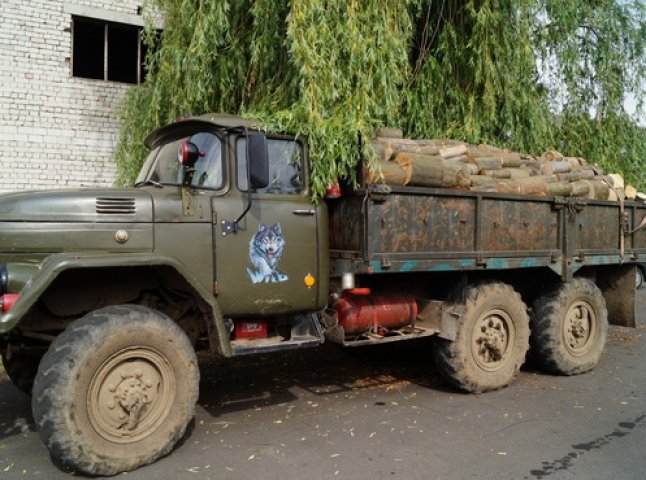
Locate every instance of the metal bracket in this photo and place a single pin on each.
(187, 202)
(229, 227)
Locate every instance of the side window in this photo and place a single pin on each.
(285, 166)
(208, 169)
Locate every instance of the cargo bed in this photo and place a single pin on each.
(411, 229)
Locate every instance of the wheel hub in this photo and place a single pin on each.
(578, 328)
(493, 343)
(130, 395)
(492, 339)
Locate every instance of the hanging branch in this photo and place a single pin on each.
(466, 69)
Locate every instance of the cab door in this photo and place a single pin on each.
(270, 265)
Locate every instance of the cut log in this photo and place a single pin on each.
(383, 150)
(483, 181)
(506, 173)
(531, 163)
(391, 174)
(552, 155)
(630, 192)
(422, 149)
(489, 163)
(472, 168)
(501, 174)
(563, 189)
(458, 159)
(615, 180)
(551, 167)
(599, 190)
(582, 174)
(429, 171)
(517, 172)
(542, 178)
(576, 162)
(509, 186)
(451, 163)
(512, 161)
(580, 188)
(386, 148)
(454, 151)
(533, 186)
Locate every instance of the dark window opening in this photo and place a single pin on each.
(88, 49)
(124, 65)
(107, 51)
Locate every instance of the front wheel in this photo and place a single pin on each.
(570, 325)
(491, 342)
(116, 390)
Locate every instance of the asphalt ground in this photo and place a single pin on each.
(380, 413)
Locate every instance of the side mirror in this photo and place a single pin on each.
(258, 161)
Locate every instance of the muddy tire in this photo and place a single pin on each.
(116, 390)
(569, 325)
(491, 342)
(21, 370)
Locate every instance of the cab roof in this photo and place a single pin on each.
(221, 120)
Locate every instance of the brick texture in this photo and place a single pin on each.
(56, 131)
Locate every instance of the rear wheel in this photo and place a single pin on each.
(116, 390)
(570, 325)
(491, 342)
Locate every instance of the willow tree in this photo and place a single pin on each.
(522, 74)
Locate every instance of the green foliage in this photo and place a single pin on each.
(335, 70)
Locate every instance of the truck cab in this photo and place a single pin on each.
(267, 244)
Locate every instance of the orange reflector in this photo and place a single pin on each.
(309, 280)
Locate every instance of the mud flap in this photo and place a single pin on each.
(617, 283)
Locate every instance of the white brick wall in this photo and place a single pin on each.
(55, 130)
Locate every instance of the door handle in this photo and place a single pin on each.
(304, 211)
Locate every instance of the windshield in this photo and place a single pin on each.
(166, 169)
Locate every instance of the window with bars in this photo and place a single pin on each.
(107, 50)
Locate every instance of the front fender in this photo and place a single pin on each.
(55, 264)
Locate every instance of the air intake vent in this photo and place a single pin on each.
(115, 206)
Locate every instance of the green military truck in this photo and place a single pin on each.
(105, 295)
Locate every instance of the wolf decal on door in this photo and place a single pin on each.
(265, 251)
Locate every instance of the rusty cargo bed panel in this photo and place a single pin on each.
(428, 229)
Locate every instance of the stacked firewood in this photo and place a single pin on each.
(454, 164)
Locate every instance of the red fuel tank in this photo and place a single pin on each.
(360, 313)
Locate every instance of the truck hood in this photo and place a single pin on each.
(96, 205)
